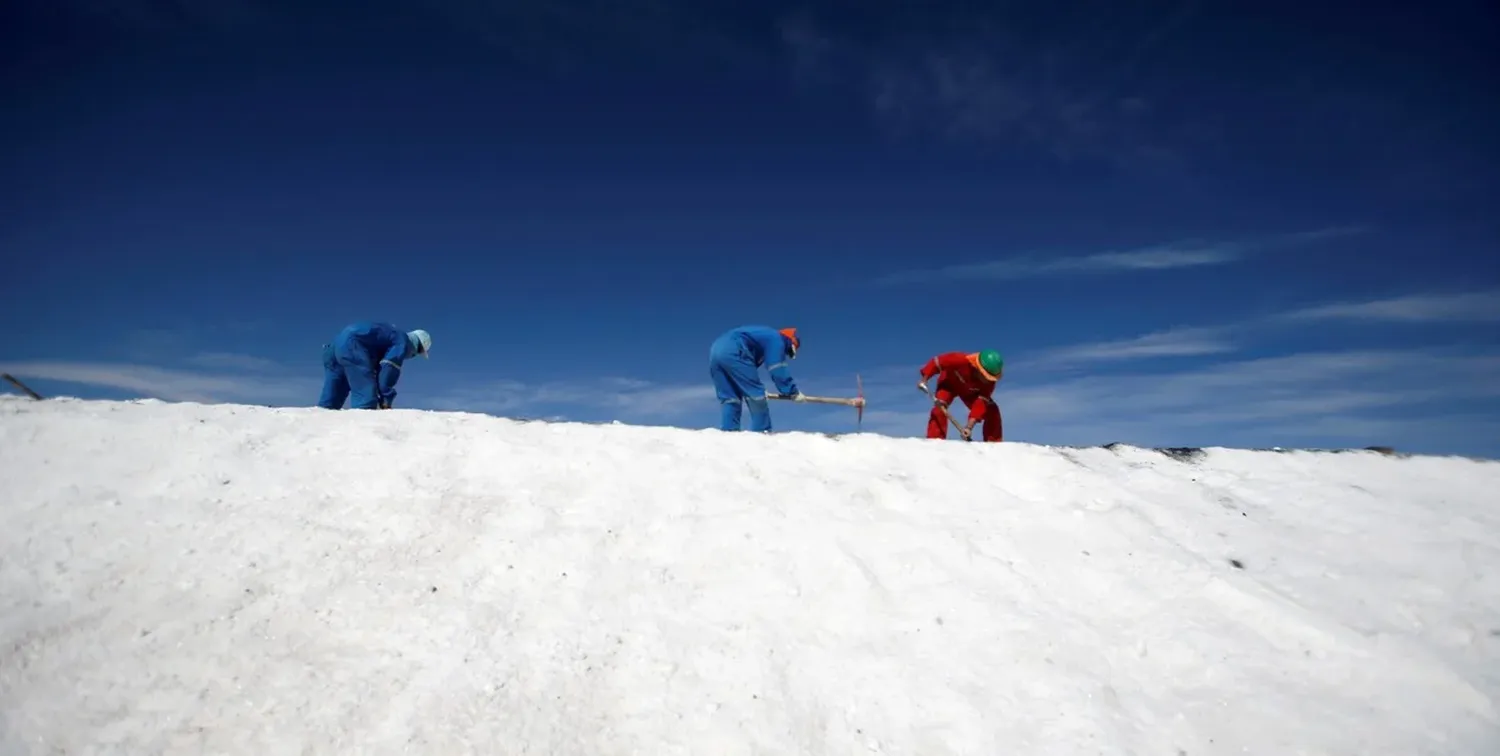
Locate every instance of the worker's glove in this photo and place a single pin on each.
(798, 397)
(922, 386)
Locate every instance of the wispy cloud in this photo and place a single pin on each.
(170, 383)
(158, 346)
(1173, 342)
(972, 76)
(1318, 234)
(153, 344)
(232, 361)
(625, 398)
(1478, 306)
(1182, 254)
(1230, 398)
(1035, 266)
(1178, 342)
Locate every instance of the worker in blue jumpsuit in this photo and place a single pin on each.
(364, 362)
(734, 363)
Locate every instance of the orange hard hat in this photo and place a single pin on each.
(791, 333)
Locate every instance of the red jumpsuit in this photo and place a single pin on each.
(960, 377)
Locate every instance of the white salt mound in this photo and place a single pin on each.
(180, 578)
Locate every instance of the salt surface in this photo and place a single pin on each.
(179, 578)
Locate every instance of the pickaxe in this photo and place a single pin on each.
(857, 402)
(18, 384)
(947, 414)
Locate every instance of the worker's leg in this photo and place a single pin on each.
(994, 429)
(731, 403)
(335, 383)
(937, 420)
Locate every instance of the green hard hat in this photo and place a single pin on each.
(991, 361)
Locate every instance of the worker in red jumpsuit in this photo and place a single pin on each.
(971, 379)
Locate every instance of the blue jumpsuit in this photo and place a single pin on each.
(734, 363)
(363, 364)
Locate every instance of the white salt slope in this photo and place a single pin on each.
(187, 578)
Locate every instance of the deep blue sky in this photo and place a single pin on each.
(1274, 225)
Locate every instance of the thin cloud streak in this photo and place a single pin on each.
(627, 398)
(1181, 342)
(1031, 266)
(1321, 234)
(969, 77)
(1264, 380)
(232, 361)
(1178, 255)
(1478, 306)
(1483, 306)
(168, 383)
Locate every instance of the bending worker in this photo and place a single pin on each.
(734, 363)
(971, 379)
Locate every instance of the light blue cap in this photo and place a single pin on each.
(423, 340)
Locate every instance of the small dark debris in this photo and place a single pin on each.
(940, 620)
(434, 589)
(1183, 453)
(1495, 633)
(1087, 554)
(1237, 564)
